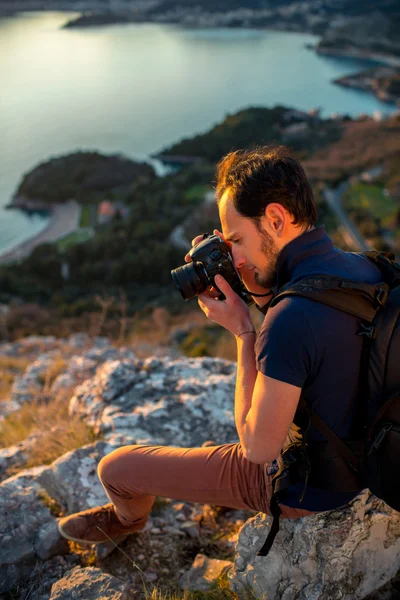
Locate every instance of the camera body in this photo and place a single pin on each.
(210, 257)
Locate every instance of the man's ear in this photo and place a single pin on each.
(275, 219)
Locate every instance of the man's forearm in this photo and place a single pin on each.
(245, 380)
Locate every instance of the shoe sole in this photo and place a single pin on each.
(81, 541)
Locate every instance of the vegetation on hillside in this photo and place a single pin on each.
(256, 127)
(131, 257)
(80, 175)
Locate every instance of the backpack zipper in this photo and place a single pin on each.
(380, 437)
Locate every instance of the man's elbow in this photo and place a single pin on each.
(259, 456)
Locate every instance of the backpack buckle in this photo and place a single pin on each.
(381, 297)
(368, 330)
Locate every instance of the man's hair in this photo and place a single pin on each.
(255, 178)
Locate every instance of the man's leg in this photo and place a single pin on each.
(133, 476)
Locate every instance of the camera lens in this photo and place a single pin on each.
(191, 280)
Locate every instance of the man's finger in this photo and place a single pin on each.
(197, 239)
(223, 285)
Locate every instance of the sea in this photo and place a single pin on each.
(135, 89)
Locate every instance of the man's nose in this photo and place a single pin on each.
(238, 258)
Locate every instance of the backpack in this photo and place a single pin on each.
(372, 459)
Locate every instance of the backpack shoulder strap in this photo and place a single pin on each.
(385, 261)
(362, 300)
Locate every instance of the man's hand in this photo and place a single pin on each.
(232, 313)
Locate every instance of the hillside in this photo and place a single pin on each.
(305, 132)
(125, 266)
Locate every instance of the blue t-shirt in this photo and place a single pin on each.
(316, 347)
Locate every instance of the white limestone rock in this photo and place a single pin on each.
(16, 455)
(343, 554)
(160, 401)
(28, 531)
(72, 479)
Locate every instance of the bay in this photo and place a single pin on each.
(134, 89)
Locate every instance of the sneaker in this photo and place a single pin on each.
(96, 526)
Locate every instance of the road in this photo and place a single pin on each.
(333, 198)
(177, 237)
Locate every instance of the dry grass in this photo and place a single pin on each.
(15, 363)
(10, 366)
(50, 503)
(58, 432)
(219, 591)
(55, 369)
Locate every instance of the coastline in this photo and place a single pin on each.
(387, 59)
(64, 219)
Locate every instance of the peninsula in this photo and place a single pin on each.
(79, 175)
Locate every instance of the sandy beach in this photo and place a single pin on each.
(64, 219)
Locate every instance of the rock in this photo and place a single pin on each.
(89, 584)
(7, 407)
(203, 573)
(72, 479)
(105, 549)
(160, 401)
(191, 528)
(357, 547)
(28, 531)
(84, 356)
(151, 576)
(16, 455)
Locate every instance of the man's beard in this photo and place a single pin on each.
(268, 277)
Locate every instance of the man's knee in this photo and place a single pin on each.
(107, 466)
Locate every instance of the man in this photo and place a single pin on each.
(268, 216)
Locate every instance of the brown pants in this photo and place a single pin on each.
(133, 475)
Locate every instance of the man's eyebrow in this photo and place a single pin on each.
(230, 237)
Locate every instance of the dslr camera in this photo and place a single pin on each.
(210, 257)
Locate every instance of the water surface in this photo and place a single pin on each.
(134, 89)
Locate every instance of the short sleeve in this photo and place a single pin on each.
(285, 348)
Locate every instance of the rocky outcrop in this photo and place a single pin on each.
(342, 554)
(80, 354)
(180, 402)
(82, 364)
(72, 479)
(28, 531)
(16, 455)
(127, 400)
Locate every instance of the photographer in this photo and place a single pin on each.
(268, 216)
